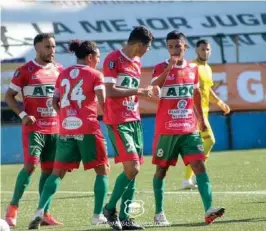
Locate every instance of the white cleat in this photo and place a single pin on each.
(188, 184)
(213, 213)
(160, 219)
(98, 219)
(37, 219)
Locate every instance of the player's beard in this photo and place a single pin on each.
(47, 59)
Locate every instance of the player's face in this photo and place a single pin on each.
(204, 52)
(46, 50)
(94, 59)
(176, 47)
(143, 48)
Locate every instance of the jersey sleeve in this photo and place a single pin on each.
(157, 70)
(110, 67)
(99, 82)
(57, 87)
(196, 81)
(19, 80)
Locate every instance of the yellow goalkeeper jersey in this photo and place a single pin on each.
(205, 79)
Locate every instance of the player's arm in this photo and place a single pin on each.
(14, 88)
(99, 90)
(110, 71)
(215, 99)
(160, 79)
(198, 105)
(56, 96)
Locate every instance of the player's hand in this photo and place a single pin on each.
(28, 120)
(172, 62)
(146, 92)
(156, 91)
(224, 107)
(203, 124)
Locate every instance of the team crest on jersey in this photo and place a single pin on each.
(171, 77)
(191, 75)
(74, 73)
(17, 73)
(182, 104)
(30, 68)
(111, 65)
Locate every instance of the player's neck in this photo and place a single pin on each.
(82, 62)
(40, 61)
(129, 52)
(180, 62)
(202, 61)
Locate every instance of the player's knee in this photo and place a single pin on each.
(103, 170)
(198, 166)
(161, 172)
(29, 167)
(47, 171)
(132, 171)
(59, 172)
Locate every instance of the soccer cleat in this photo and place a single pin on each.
(129, 224)
(11, 215)
(37, 219)
(98, 219)
(112, 218)
(213, 213)
(48, 219)
(160, 219)
(188, 184)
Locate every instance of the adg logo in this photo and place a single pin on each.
(134, 208)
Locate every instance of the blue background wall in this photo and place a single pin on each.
(248, 131)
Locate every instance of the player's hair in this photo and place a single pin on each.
(202, 41)
(140, 34)
(82, 48)
(175, 34)
(40, 37)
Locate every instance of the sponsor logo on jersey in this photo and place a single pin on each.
(71, 123)
(39, 90)
(177, 125)
(17, 73)
(74, 73)
(44, 123)
(126, 81)
(178, 91)
(111, 65)
(191, 75)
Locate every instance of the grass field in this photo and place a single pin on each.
(238, 180)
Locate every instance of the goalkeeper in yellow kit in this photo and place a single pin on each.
(208, 96)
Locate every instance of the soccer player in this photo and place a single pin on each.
(122, 71)
(80, 135)
(208, 95)
(176, 130)
(36, 80)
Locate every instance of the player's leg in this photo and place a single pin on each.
(208, 142)
(165, 153)
(33, 144)
(67, 158)
(47, 161)
(94, 156)
(193, 153)
(131, 155)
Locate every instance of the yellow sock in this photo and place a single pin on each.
(188, 172)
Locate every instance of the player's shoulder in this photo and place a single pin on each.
(27, 67)
(192, 64)
(161, 65)
(114, 55)
(59, 66)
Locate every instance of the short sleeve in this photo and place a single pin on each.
(196, 81)
(18, 81)
(99, 82)
(110, 66)
(157, 71)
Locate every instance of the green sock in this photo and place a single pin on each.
(100, 193)
(158, 188)
(120, 186)
(50, 187)
(23, 180)
(205, 189)
(127, 198)
(43, 178)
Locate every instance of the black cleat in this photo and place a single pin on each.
(130, 224)
(112, 218)
(35, 224)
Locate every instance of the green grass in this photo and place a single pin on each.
(241, 171)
